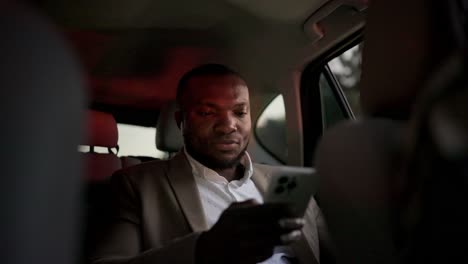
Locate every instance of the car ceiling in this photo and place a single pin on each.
(201, 14)
(135, 51)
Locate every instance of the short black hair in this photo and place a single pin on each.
(211, 69)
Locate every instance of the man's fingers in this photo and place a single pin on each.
(292, 227)
(260, 212)
(284, 231)
(272, 226)
(290, 237)
(260, 219)
(291, 223)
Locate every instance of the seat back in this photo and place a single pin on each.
(399, 57)
(357, 162)
(42, 105)
(367, 167)
(168, 135)
(435, 190)
(102, 133)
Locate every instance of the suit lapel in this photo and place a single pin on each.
(181, 179)
(302, 247)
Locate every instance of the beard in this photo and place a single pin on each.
(211, 161)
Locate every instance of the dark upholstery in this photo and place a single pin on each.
(168, 135)
(404, 42)
(101, 132)
(383, 181)
(42, 108)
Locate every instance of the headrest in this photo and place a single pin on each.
(102, 130)
(168, 135)
(399, 57)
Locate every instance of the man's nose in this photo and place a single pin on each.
(226, 124)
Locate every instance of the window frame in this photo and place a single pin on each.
(338, 92)
(257, 138)
(311, 102)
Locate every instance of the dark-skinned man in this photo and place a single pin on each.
(205, 205)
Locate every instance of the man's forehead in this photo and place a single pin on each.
(217, 87)
(221, 101)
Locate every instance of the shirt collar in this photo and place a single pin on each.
(200, 170)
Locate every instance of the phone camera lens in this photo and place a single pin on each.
(283, 180)
(292, 185)
(279, 190)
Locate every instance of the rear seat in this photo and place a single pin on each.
(102, 132)
(99, 167)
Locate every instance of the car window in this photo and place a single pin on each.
(346, 68)
(332, 113)
(138, 141)
(330, 93)
(270, 129)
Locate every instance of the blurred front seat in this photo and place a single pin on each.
(102, 137)
(42, 95)
(362, 197)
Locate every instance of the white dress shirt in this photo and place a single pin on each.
(217, 194)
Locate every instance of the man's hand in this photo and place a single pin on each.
(247, 233)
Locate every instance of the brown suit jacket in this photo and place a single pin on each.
(159, 216)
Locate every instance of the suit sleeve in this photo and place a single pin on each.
(121, 240)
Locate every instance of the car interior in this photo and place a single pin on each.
(95, 83)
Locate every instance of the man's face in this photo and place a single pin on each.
(216, 120)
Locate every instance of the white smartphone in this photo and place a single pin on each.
(294, 186)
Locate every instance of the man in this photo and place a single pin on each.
(205, 204)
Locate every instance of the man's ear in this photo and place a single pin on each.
(178, 118)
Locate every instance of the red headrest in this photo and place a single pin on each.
(102, 130)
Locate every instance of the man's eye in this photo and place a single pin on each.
(240, 114)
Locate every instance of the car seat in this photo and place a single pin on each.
(102, 133)
(168, 135)
(369, 167)
(43, 97)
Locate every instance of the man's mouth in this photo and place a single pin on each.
(227, 145)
